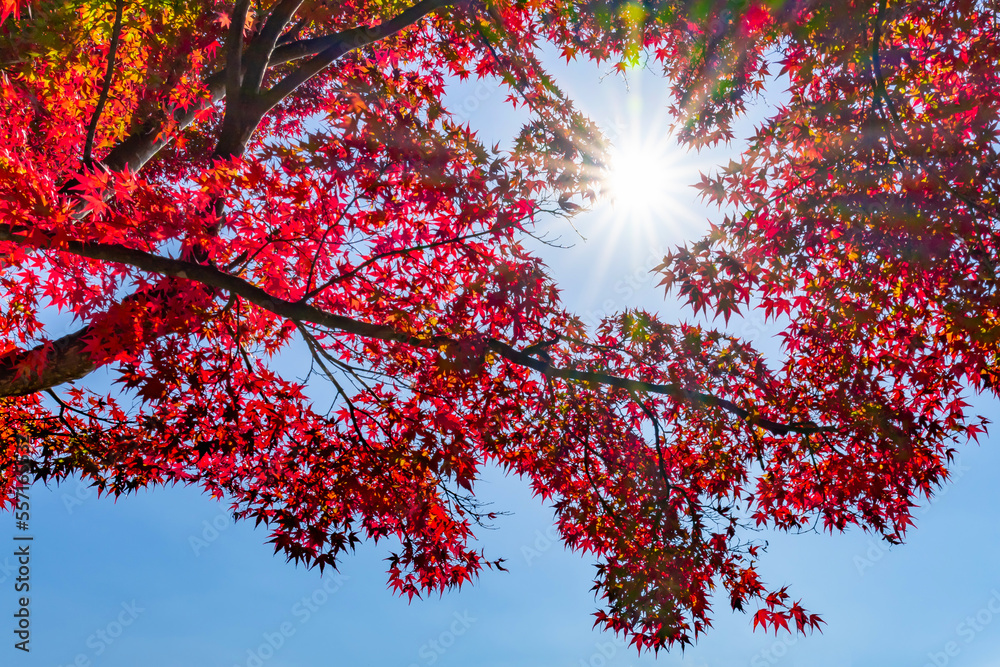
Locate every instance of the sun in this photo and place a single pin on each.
(638, 180)
(643, 182)
(647, 204)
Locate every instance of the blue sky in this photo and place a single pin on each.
(165, 578)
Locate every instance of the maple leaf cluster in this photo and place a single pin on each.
(209, 190)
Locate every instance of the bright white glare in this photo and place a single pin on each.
(642, 182)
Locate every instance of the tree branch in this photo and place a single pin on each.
(335, 46)
(384, 255)
(116, 32)
(233, 124)
(302, 48)
(301, 312)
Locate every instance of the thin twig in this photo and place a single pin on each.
(116, 30)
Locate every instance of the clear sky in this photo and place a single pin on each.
(165, 578)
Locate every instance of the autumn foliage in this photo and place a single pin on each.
(206, 188)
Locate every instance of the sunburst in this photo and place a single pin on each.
(642, 182)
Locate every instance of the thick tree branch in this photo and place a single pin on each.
(233, 123)
(298, 311)
(342, 43)
(136, 150)
(302, 48)
(64, 360)
(140, 147)
(292, 33)
(234, 49)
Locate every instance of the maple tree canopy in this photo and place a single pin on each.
(201, 185)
